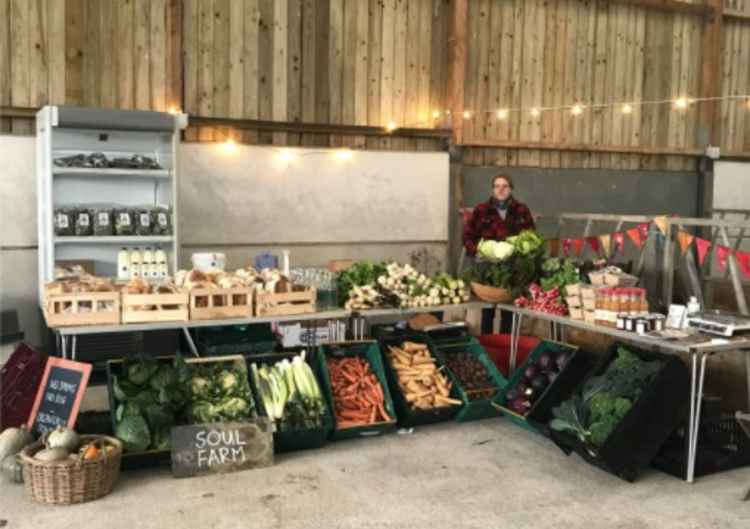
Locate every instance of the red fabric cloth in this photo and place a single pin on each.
(486, 223)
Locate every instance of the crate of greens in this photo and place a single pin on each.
(422, 392)
(357, 390)
(288, 392)
(550, 374)
(624, 411)
(476, 378)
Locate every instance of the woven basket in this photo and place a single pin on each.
(491, 294)
(71, 481)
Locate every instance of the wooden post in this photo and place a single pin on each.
(175, 59)
(457, 66)
(708, 130)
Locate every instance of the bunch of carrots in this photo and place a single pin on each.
(423, 385)
(357, 394)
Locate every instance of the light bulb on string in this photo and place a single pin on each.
(627, 109)
(391, 126)
(230, 145)
(344, 154)
(502, 113)
(436, 114)
(535, 112)
(681, 103)
(576, 110)
(467, 114)
(173, 110)
(286, 155)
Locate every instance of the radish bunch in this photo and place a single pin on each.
(542, 301)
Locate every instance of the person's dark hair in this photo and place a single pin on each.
(504, 177)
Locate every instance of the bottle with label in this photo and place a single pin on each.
(123, 264)
(160, 257)
(693, 307)
(147, 256)
(135, 263)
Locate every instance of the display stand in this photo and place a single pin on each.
(66, 131)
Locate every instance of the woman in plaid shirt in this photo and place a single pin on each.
(502, 216)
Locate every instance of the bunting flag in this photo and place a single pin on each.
(578, 245)
(566, 247)
(605, 242)
(643, 231)
(619, 239)
(685, 239)
(722, 253)
(554, 247)
(661, 223)
(703, 246)
(594, 243)
(635, 235)
(743, 261)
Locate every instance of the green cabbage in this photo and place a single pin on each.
(496, 250)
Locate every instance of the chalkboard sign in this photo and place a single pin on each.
(59, 395)
(221, 447)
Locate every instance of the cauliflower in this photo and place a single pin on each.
(495, 250)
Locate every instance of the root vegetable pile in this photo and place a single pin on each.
(423, 385)
(539, 300)
(357, 394)
(472, 374)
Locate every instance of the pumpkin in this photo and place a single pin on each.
(13, 440)
(62, 437)
(51, 454)
(12, 469)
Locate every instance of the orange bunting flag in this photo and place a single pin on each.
(661, 223)
(635, 236)
(605, 241)
(722, 253)
(743, 261)
(685, 239)
(554, 247)
(578, 246)
(703, 246)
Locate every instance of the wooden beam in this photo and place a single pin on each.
(582, 147)
(457, 65)
(671, 6)
(709, 128)
(734, 13)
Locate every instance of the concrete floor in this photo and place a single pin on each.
(478, 475)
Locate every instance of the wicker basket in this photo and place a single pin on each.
(491, 294)
(71, 481)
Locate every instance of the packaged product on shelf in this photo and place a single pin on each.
(124, 222)
(64, 221)
(142, 217)
(161, 221)
(83, 224)
(102, 221)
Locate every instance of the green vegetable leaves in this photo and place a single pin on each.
(220, 392)
(557, 273)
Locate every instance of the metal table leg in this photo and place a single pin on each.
(190, 342)
(64, 346)
(73, 346)
(696, 391)
(691, 419)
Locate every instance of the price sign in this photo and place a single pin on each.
(59, 396)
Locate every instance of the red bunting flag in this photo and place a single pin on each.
(635, 235)
(566, 247)
(643, 230)
(743, 261)
(594, 243)
(722, 253)
(703, 246)
(619, 239)
(578, 245)
(554, 247)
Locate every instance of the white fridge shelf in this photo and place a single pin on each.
(116, 239)
(110, 172)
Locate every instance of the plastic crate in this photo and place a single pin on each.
(409, 417)
(19, 381)
(370, 351)
(722, 445)
(567, 381)
(237, 339)
(298, 439)
(473, 410)
(639, 436)
(498, 349)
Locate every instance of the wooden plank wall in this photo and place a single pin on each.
(365, 62)
(547, 53)
(84, 52)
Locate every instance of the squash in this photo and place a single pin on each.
(12, 469)
(13, 440)
(62, 437)
(51, 454)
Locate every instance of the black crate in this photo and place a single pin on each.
(722, 445)
(409, 417)
(636, 441)
(236, 339)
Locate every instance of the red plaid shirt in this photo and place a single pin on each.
(486, 223)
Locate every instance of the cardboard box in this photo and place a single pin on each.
(588, 292)
(573, 302)
(576, 313)
(589, 304)
(574, 290)
(589, 316)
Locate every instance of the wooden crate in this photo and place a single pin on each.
(162, 307)
(284, 303)
(82, 308)
(221, 303)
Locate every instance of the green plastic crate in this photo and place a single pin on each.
(501, 402)
(290, 441)
(473, 410)
(409, 417)
(236, 339)
(370, 351)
